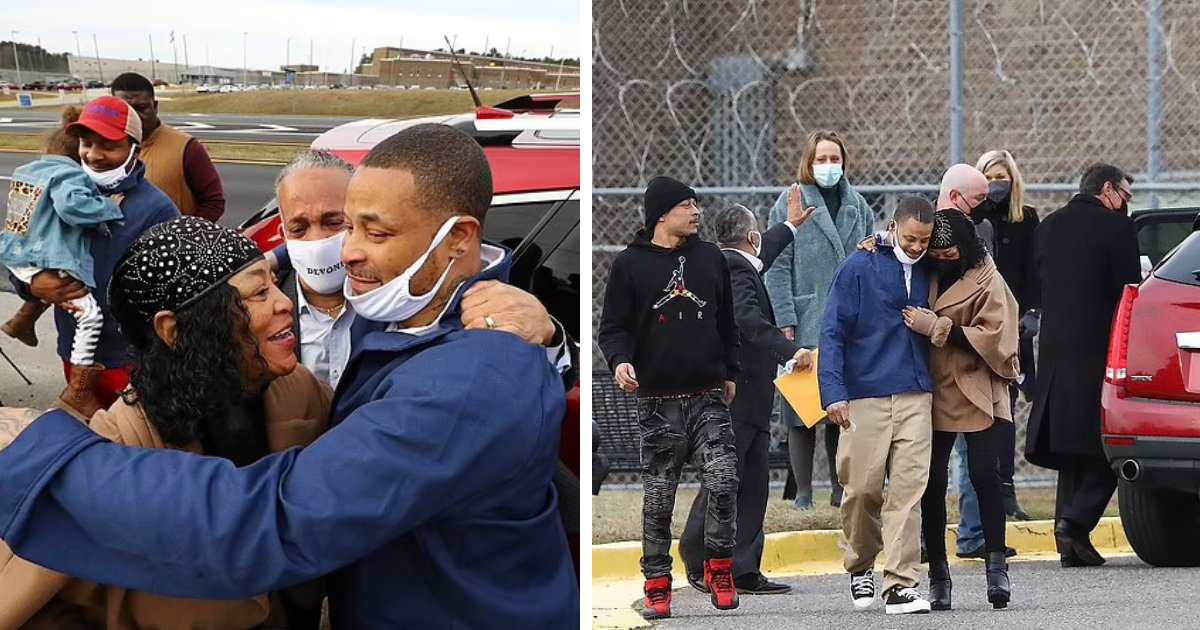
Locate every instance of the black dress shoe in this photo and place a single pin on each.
(758, 584)
(1074, 542)
(981, 553)
(697, 582)
(1070, 561)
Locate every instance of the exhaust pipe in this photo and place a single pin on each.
(1131, 470)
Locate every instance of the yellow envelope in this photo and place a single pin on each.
(801, 391)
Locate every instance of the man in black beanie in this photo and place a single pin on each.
(669, 334)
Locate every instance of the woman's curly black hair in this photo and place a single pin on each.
(188, 390)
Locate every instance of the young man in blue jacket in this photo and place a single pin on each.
(428, 504)
(875, 384)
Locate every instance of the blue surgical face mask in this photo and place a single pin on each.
(827, 175)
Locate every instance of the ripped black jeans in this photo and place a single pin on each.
(675, 431)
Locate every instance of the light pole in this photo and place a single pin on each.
(353, 41)
(16, 55)
(288, 58)
(99, 68)
(78, 54)
(244, 66)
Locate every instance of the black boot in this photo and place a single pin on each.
(999, 589)
(1012, 507)
(939, 585)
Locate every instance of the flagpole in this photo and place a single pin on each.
(175, 54)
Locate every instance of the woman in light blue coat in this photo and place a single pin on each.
(798, 282)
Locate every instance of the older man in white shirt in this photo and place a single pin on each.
(312, 193)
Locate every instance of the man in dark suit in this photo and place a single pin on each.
(764, 347)
(1085, 253)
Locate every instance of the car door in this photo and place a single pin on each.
(1160, 231)
(542, 229)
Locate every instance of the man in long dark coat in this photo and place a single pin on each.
(749, 254)
(1085, 253)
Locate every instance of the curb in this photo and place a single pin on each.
(815, 551)
(617, 578)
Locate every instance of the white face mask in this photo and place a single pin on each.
(394, 301)
(827, 175)
(319, 263)
(757, 245)
(903, 257)
(110, 179)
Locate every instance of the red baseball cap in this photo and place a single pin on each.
(110, 117)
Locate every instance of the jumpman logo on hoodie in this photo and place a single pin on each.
(676, 288)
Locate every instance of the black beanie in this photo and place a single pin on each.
(662, 194)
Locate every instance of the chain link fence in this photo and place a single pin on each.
(722, 95)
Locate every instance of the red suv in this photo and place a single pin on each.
(532, 145)
(1150, 402)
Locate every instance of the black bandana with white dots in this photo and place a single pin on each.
(951, 228)
(175, 263)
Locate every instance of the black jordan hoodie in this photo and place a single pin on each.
(669, 313)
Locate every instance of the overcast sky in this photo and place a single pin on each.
(215, 28)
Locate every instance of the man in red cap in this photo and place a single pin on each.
(109, 133)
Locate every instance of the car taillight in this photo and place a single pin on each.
(1115, 371)
(493, 113)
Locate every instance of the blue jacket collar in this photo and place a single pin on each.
(380, 339)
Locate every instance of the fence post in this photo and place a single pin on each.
(1154, 49)
(957, 96)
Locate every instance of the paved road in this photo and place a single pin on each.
(247, 186)
(1123, 594)
(256, 128)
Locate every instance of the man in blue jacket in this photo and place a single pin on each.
(429, 503)
(875, 383)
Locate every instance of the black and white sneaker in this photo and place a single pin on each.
(904, 600)
(862, 589)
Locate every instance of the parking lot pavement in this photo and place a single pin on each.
(41, 364)
(1125, 593)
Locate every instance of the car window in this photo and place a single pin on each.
(1160, 232)
(1183, 265)
(549, 265)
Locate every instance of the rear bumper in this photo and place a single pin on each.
(1162, 437)
(1165, 462)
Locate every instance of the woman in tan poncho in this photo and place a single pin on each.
(973, 327)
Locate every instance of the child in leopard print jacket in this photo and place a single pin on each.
(53, 208)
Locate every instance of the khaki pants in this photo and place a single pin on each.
(892, 441)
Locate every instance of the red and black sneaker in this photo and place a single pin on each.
(718, 575)
(658, 598)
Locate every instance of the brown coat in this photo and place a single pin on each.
(297, 410)
(163, 154)
(970, 390)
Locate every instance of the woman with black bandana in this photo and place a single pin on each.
(972, 326)
(214, 373)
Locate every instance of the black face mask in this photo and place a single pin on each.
(949, 270)
(999, 190)
(985, 210)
